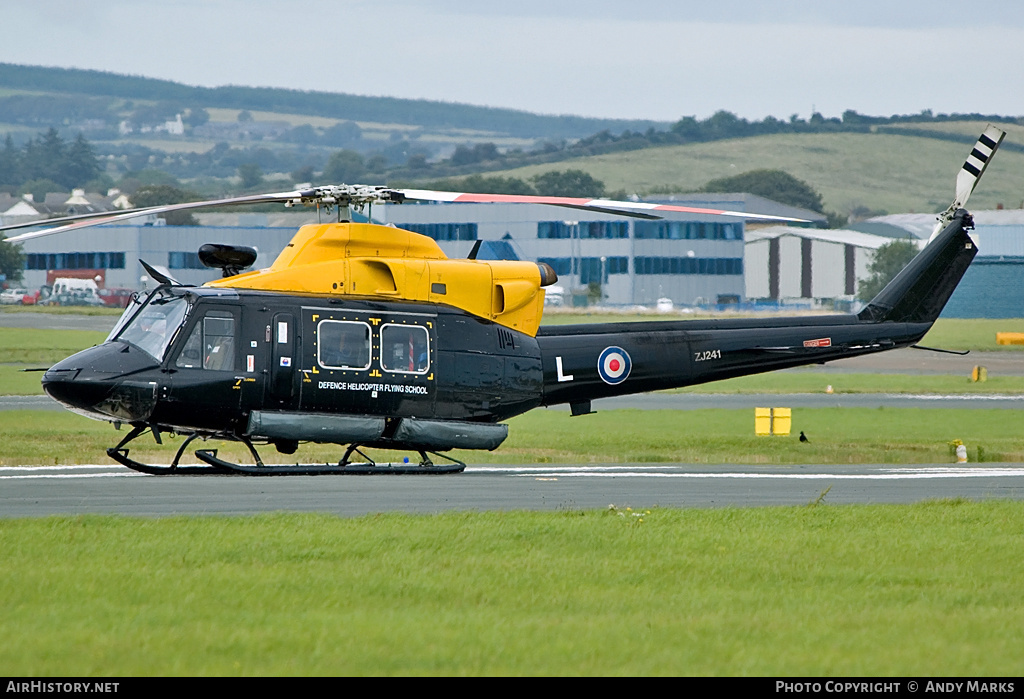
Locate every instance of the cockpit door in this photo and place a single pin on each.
(206, 388)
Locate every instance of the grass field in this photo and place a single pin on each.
(897, 174)
(816, 379)
(924, 590)
(64, 310)
(44, 347)
(838, 436)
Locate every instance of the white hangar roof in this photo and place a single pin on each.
(840, 236)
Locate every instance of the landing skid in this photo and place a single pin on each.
(120, 455)
(217, 466)
(342, 468)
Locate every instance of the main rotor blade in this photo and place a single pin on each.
(93, 219)
(623, 208)
(65, 219)
(361, 195)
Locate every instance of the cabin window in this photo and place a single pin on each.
(404, 349)
(211, 345)
(343, 345)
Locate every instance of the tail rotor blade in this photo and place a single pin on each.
(974, 167)
(976, 163)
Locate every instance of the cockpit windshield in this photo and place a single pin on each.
(150, 324)
(136, 302)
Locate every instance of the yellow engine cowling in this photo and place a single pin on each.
(369, 260)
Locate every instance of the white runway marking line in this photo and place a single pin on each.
(895, 473)
(39, 476)
(51, 469)
(554, 472)
(76, 471)
(954, 396)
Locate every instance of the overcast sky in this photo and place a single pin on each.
(648, 59)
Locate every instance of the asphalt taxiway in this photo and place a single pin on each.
(72, 490)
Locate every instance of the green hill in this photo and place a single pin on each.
(132, 123)
(58, 85)
(880, 171)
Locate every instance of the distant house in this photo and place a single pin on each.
(11, 207)
(56, 204)
(174, 127)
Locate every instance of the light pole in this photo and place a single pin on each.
(604, 277)
(574, 252)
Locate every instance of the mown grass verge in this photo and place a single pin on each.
(31, 346)
(64, 310)
(837, 436)
(925, 590)
(817, 380)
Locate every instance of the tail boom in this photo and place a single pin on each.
(586, 362)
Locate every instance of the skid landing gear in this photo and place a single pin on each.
(120, 455)
(217, 466)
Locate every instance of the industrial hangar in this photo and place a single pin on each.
(808, 265)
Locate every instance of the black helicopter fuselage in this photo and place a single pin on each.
(472, 370)
(286, 368)
(289, 359)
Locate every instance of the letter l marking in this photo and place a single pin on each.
(561, 377)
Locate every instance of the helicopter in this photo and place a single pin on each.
(367, 336)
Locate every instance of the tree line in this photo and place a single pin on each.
(48, 160)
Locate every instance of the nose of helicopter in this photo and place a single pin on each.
(107, 382)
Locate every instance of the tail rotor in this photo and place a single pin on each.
(967, 179)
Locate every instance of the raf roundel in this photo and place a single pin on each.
(614, 365)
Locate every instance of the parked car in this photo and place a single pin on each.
(12, 296)
(116, 297)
